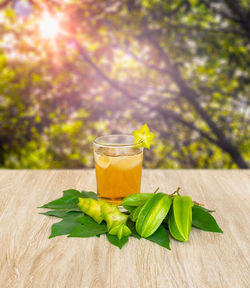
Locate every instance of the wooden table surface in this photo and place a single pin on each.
(29, 259)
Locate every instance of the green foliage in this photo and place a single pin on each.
(69, 200)
(60, 213)
(64, 227)
(203, 220)
(106, 74)
(88, 228)
(117, 242)
(183, 214)
(160, 237)
(78, 224)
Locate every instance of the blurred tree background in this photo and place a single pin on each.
(73, 70)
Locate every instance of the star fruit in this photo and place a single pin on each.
(143, 137)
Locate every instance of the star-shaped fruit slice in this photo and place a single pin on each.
(143, 137)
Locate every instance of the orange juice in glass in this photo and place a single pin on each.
(118, 164)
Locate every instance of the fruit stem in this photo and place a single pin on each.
(176, 191)
(156, 190)
(197, 203)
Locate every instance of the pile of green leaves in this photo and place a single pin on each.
(75, 223)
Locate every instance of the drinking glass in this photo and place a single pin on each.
(118, 164)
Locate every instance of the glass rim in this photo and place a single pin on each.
(113, 145)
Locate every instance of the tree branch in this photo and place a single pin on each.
(242, 16)
(163, 112)
(234, 13)
(192, 97)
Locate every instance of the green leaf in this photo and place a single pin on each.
(86, 194)
(134, 214)
(129, 208)
(131, 226)
(82, 231)
(205, 209)
(203, 220)
(88, 228)
(64, 227)
(88, 221)
(71, 192)
(66, 210)
(160, 237)
(60, 213)
(69, 200)
(74, 217)
(113, 239)
(66, 202)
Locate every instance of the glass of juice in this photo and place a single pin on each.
(118, 164)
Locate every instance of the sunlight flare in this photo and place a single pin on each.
(49, 26)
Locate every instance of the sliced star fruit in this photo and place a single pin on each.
(102, 161)
(143, 137)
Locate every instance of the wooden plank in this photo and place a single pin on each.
(29, 259)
